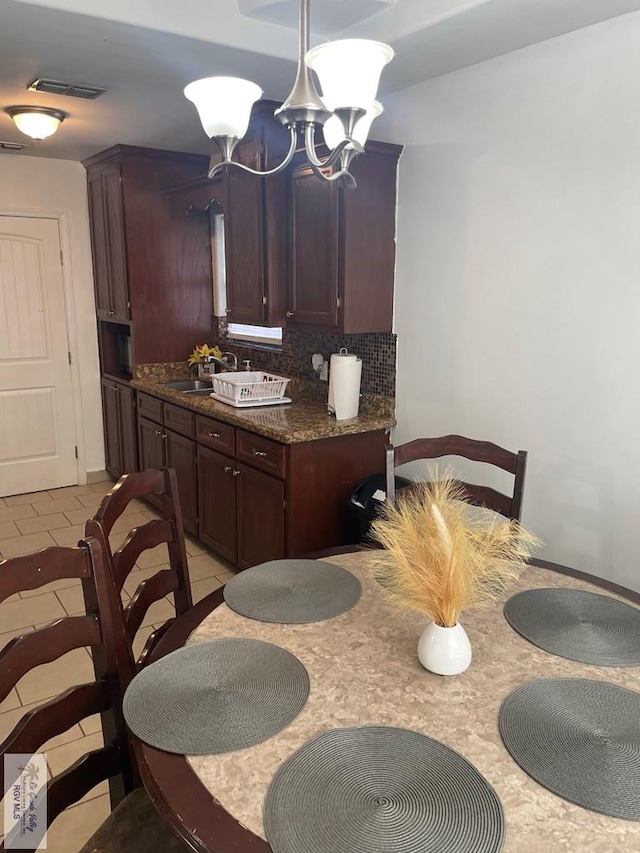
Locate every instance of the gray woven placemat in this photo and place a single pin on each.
(293, 591)
(380, 790)
(580, 739)
(216, 697)
(578, 625)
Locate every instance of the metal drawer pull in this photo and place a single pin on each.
(259, 452)
(214, 435)
(164, 435)
(227, 468)
(158, 432)
(235, 472)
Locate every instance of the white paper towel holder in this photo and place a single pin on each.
(331, 406)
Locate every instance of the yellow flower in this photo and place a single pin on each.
(202, 352)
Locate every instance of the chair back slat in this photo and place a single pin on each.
(56, 716)
(31, 571)
(45, 645)
(153, 589)
(154, 533)
(103, 630)
(128, 488)
(88, 771)
(477, 451)
(169, 529)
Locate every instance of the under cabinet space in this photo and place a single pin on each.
(116, 349)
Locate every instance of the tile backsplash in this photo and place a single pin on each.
(376, 349)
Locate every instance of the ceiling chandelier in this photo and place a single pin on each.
(36, 122)
(348, 72)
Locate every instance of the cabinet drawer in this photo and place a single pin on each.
(216, 434)
(150, 407)
(180, 420)
(260, 452)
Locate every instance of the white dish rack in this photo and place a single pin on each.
(248, 385)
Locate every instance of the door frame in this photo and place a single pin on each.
(61, 216)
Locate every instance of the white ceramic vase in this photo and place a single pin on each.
(445, 651)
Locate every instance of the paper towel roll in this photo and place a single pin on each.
(345, 375)
(343, 354)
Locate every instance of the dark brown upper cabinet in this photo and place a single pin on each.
(152, 279)
(256, 226)
(342, 245)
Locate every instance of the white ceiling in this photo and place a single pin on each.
(145, 52)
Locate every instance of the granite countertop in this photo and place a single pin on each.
(364, 670)
(304, 419)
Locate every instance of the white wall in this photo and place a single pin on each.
(518, 278)
(39, 186)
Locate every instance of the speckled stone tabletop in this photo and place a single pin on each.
(364, 671)
(305, 419)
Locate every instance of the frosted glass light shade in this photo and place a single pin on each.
(223, 104)
(334, 130)
(349, 70)
(36, 125)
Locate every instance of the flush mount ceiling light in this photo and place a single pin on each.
(36, 122)
(348, 71)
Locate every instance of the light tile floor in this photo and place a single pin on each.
(33, 521)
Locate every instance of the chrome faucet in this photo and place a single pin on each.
(229, 361)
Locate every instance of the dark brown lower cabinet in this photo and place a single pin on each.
(241, 510)
(180, 454)
(217, 502)
(260, 508)
(163, 448)
(151, 444)
(251, 498)
(119, 412)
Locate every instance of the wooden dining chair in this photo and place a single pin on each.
(509, 505)
(168, 530)
(101, 629)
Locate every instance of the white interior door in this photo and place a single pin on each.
(37, 426)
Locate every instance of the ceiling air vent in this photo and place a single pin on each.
(11, 146)
(72, 90)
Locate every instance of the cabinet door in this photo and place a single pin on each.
(114, 222)
(111, 428)
(151, 444)
(129, 440)
(180, 454)
(99, 243)
(313, 297)
(260, 503)
(217, 502)
(244, 247)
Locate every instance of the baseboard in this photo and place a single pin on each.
(97, 476)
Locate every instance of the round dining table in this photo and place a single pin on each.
(364, 671)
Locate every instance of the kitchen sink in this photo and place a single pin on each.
(191, 386)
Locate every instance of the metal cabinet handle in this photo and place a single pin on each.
(214, 435)
(164, 435)
(235, 472)
(227, 468)
(258, 452)
(288, 314)
(157, 432)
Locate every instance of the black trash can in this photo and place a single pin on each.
(364, 505)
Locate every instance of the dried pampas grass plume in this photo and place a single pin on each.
(440, 558)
